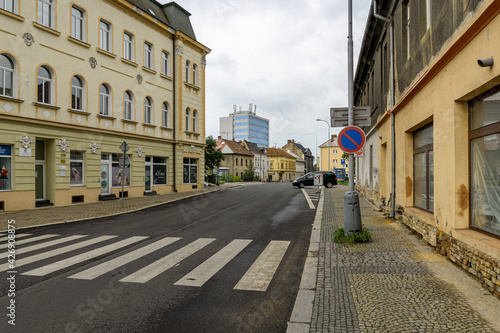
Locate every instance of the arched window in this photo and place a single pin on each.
(147, 110)
(195, 121)
(77, 93)
(45, 85)
(104, 100)
(128, 102)
(165, 110)
(195, 73)
(188, 70)
(188, 119)
(6, 76)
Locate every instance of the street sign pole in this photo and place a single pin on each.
(124, 147)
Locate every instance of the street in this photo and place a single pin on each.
(222, 262)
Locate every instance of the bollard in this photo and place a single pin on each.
(352, 214)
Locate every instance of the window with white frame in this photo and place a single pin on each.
(195, 121)
(188, 119)
(7, 67)
(165, 62)
(335, 161)
(5, 167)
(128, 108)
(128, 46)
(77, 93)
(190, 171)
(335, 151)
(9, 5)
(105, 40)
(195, 74)
(148, 104)
(46, 13)
(76, 166)
(188, 70)
(159, 170)
(45, 85)
(104, 100)
(78, 23)
(165, 110)
(148, 55)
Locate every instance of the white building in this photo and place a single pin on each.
(245, 125)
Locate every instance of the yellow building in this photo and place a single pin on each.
(335, 156)
(282, 165)
(82, 79)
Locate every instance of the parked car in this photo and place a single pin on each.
(329, 179)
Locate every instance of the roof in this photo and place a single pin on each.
(333, 142)
(275, 152)
(232, 147)
(254, 148)
(297, 157)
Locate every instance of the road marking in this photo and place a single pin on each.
(260, 274)
(110, 265)
(161, 265)
(29, 240)
(311, 205)
(42, 245)
(17, 237)
(83, 257)
(201, 274)
(55, 252)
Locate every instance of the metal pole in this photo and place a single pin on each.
(350, 93)
(123, 174)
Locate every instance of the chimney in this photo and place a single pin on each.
(289, 141)
(218, 138)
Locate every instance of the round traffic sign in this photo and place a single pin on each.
(351, 139)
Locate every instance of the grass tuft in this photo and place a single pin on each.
(362, 236)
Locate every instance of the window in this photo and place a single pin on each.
(128, 46)
(77, 93)
(5, 167)
(44, 85)
(246, 162)
(76, 166)
(406, 30)
(335, 151)
(46, 13)
(423, 168)
(190, 171)
(159, 171)
(165, 62)
(195, 121)
(236, 161)
(165, 111)
(105, 36)
(128, 109)
(104, 100)
(335, 161)
(188, 70)
(188, 118)
(195, 74)
(148, 55)
(77, 23)
(119, 175)
(9, 5)
(6, 76)
(147, 110)
(484, 136)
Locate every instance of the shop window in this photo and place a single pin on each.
(423, 168)
(159, 171)
(484, 137)
(5, 167)
(190, 171)
(119, 175)
(7, 68)
(76, 165)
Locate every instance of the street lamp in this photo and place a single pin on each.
(328, 141)
(316, 149)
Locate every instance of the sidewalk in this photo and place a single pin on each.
(396, 283)
(85, 211)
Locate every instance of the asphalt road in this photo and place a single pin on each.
(229, 261)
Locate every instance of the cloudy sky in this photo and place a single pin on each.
(288, 57)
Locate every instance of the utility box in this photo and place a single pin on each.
(352, 213)
(318, 179)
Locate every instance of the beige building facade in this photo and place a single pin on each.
(81, 79)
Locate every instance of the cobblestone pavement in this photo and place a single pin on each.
(390, 284)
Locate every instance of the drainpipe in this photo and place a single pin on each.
(393, 102)
(174, 110)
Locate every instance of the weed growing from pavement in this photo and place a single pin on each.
(362, 236)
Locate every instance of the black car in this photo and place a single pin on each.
(329, 179)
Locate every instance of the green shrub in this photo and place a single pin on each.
(362, 236)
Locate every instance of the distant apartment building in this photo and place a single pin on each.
(261, 162)
(282, 166)
(245, 125)
(300, 165)
(237, 158)
(335, 156)
(301, 151)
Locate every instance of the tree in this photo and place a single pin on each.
(249, 172)
(345, 155)
(213, 156)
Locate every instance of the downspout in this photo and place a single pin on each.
(174, 111)
(393, 102)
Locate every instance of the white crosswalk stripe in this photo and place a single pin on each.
(202, 273)
(83, 257)
(110, 265)
(30, 240)
(48, 254)
(161, 265)
(260, 274)
(17, 237)
(21, 250)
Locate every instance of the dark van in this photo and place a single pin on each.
(329, 179)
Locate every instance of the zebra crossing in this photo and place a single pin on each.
(312, 196)
(257, 278)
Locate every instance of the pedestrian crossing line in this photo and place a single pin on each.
(311, 205)
(30, 240)
(48, 254)
(16, 238)
(161, 265)
(22, 250)
(201, 274)
(83, 257)
(110, 265)
(259, 275)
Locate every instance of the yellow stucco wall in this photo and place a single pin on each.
(335, 154)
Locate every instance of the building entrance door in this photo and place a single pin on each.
(148, 176)
(105, 177)
(40, 170)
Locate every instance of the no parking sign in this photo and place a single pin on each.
(351, 139)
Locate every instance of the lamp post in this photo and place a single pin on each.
(328, 141)
(316, 149)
